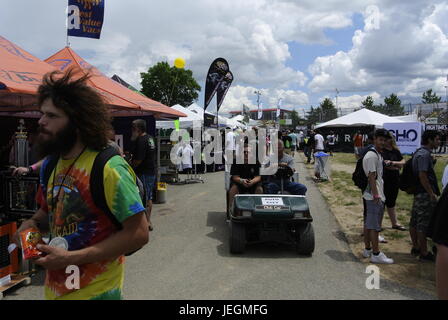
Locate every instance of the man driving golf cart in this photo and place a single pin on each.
(245, 178)
(285, 171)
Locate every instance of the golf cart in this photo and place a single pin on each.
(283, 218)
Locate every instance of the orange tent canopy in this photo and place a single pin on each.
(20, 75)
(123, 100)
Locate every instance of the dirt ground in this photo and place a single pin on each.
(344, 200)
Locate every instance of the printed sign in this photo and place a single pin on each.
(436, 127)
(407, 134)
(272, 201)
(85, 18)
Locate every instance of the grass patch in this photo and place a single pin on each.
(396, 235)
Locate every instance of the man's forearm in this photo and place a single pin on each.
(236, 179)
(372, 183)
(425, 183)
(38, 220)
(256, 180)
(114, 246)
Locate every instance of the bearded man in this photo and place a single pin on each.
(73, 131)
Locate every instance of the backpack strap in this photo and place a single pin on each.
(46, 170)
(97, 183)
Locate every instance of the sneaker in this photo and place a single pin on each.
(415, 252)
(381, 239)
(381, 258)
(367, 253)
(429, 257)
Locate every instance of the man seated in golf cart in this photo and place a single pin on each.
(245, 178)
(285, 171)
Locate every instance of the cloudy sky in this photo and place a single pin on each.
(297, 50)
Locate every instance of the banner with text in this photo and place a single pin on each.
(407, 134)
(85, 18)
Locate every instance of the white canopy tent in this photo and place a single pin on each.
(363, 117)
(223, 121)
(236, 122)
(240, 119)
(184, 122)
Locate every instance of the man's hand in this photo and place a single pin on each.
(282, 164)
(30, 223)
(245, 183)
(377, 199)
(55, 258)
(20, 171)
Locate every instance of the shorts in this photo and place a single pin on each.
(374, 215)
(243, 190)
(148, 183)
(422, 210)
(357, 150)
(391, 188)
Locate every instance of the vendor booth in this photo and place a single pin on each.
(344, 128)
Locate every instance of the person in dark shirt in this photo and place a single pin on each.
(310, 146)
(393, 162)
(287, 142)
(425, 197)
(144, 161)
(438, 232)
(245, 178)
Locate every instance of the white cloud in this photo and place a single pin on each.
(407, 53)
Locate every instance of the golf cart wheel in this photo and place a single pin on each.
(305, 239)
(237, 237)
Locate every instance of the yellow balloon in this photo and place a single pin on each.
(179, 63)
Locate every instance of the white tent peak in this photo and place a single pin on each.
(363, 117)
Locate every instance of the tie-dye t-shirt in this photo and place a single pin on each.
(75, 217)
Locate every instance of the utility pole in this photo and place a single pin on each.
(337, 107)
(258, 93)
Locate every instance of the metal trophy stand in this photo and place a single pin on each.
(194, 178)
(21, 160)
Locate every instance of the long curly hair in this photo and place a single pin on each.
(84, 106)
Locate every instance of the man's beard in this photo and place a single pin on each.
(60, 143)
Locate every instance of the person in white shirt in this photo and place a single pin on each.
(186, 153)
(445, 178)
(319, 140)
(230, 142)
(374, 199)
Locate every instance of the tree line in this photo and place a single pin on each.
(170, 86)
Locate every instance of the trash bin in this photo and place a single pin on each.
(322, 166)
(161, 192)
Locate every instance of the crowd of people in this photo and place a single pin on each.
(382, 162)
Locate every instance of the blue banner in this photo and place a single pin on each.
(85, 18)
